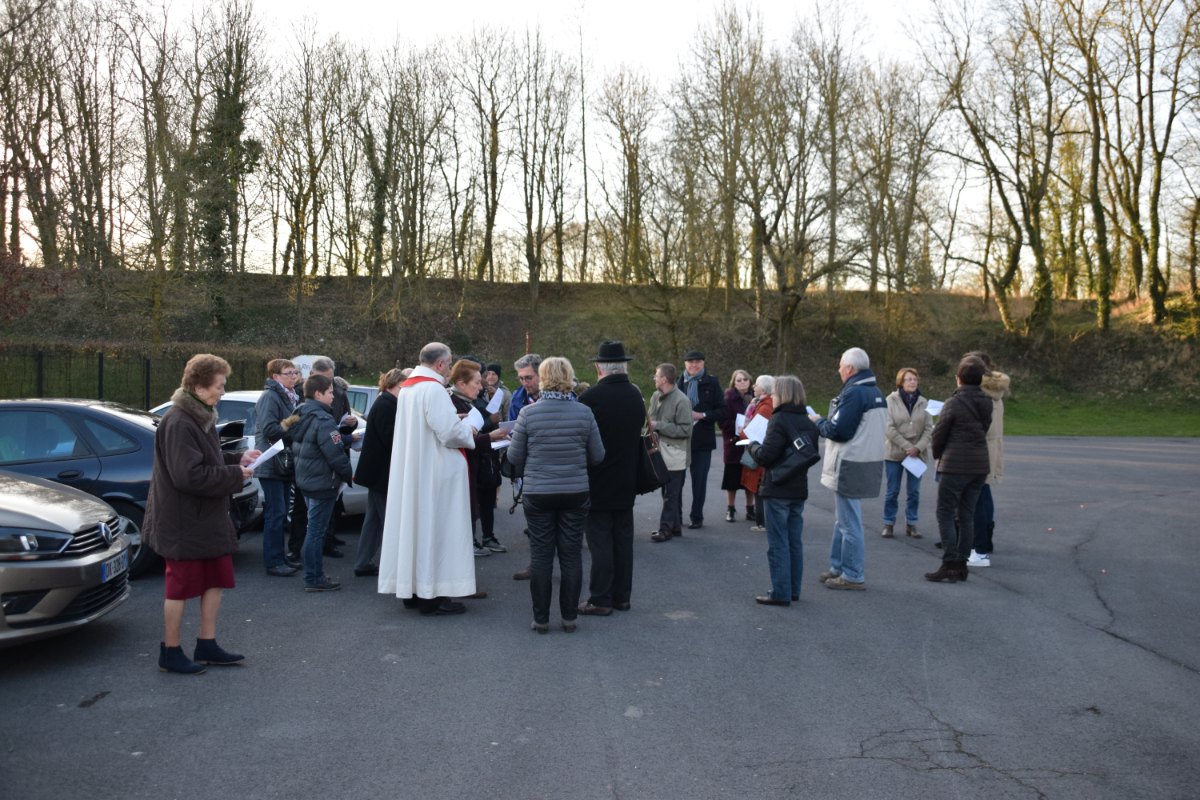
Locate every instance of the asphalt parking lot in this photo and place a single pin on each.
(1070, 669)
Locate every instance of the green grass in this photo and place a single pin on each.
(1051, 415)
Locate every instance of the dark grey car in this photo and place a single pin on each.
(64, 559)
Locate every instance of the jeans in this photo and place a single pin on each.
(785, 556)
(891, 498)
(671, 518)
(275, 508)
(556, 524)
(371, 535)
(957, 496)
(701, 460)
(610, 541)
(320, 511)
(985, 521)
(848, 552)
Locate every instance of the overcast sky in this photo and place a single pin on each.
(650, 35)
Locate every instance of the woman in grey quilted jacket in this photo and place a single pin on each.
(554, 441)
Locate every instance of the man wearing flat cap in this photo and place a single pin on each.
(620, 413)
(708, 409)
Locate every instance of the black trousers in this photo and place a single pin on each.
(698, 471)
(610, 542)
(957, 495)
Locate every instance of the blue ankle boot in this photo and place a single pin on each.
(172, 659)
(209, 652)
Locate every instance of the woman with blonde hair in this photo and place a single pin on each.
(187, 513)
(554, 442)
(737, 398)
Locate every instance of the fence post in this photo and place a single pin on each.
(41, 374)
(100, 375)
(146, 404)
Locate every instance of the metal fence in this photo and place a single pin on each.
(134, 379)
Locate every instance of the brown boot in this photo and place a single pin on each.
(888, 532)
(962, 569)
(948, 572)
(911, 531)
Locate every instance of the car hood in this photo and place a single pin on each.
(35, 503)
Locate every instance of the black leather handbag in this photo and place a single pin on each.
(799, 457)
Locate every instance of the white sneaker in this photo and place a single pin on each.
(979, 560)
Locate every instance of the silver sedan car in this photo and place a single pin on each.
(64, 560)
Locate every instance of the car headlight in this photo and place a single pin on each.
(24, 544)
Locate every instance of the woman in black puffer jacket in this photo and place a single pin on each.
(554, 441)
(960, 448)
(784, 500)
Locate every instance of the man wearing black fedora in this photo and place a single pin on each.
(708, 410)
(620, 413)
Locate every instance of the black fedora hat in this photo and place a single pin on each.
(612, 351)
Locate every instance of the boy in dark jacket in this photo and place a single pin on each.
(960, 448)
(321, 465)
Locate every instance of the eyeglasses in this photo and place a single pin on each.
(527, 378)
(290, 372)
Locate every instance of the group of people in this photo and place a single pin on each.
(432, 454)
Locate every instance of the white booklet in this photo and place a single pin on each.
(756, 429)
(494, 404)
(935, 407)
(267, 454)
(475, 419)
(914, 465)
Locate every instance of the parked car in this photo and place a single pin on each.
(361, 397)
(104, 448)
(236, 422)
(64, 559)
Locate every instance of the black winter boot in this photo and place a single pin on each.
(209, 652)
(172, 659)
(730, 514)
(948, 571)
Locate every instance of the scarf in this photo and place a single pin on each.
(691, 383)
(909, 400)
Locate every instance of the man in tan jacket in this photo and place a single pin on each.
(671, 419)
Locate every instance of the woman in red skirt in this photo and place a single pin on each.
(187, 513)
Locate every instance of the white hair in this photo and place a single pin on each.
(613, 367)
(765, 383)
(856, 358)
(434, 352)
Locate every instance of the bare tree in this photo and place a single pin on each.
(488, 78)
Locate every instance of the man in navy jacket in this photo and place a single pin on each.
(708, 409)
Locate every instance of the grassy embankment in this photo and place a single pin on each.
(1134, 380)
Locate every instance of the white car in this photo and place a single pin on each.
(235, 415)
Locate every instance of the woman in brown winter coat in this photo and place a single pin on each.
(187, 513)
(960, 447)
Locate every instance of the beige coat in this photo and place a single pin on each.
(906, 430)
(672, 415)
(996, 386)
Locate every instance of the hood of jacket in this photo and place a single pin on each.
(205, 416)
(307, 415)
(995, 385)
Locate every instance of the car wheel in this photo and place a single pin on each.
(141, 558)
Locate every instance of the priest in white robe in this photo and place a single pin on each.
(427, 551)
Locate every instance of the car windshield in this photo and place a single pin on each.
(231, 410)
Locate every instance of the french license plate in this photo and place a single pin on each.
(114, 566)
